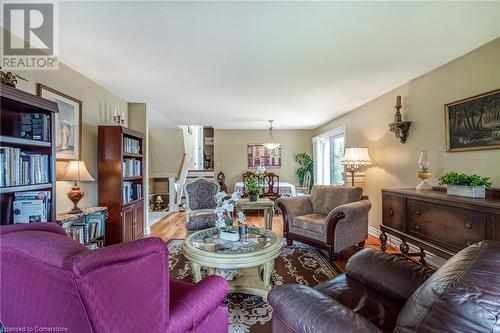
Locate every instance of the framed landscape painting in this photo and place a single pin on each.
(260, 155)
(68, 123)
(473, 123)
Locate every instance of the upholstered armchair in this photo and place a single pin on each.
(381, 292)
(331, 217)
(200, 204)
(51, 281)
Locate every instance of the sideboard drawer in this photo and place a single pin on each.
(392, 211)
(457, 228)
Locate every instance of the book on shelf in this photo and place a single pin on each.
(87, 230)
(131, 191)
(35, 126)
(91, 231)
(18, 167)
(131, 167)
(31, 206)
(131, 146)
(77, 232)
(98, 219)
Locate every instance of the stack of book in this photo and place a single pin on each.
(35, 126)
(131, 191)
(88, 230)
(131, 167)
(131, 146)
(22, 168)
(31, 206)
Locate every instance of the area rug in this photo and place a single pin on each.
(299, 263)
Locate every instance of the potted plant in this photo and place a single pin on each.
(306, 165)
(464, 185)
(252, 186)
(223, 211)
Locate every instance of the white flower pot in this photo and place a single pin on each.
(466, 191)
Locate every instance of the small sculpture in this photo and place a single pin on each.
(221, 179)
(10, 78)
(398, 127)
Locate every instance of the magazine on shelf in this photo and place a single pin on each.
(31, 206)
(29, 211)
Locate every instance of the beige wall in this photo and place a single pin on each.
(98, 105)
(395, 164)
(166, 147)
(231, 151)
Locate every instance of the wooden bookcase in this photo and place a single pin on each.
(126, 219)
(13, 103)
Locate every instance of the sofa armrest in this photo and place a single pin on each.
(304, 309)
(295, 206)
(391, 275)
(347, 225)
(46, 226)
(350, 212)
(191, 308)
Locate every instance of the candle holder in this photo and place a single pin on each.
(399, 127)
(118, 119)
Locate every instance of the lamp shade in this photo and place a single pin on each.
(356, 156)
(77, 171)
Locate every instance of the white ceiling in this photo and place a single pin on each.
(238, 64)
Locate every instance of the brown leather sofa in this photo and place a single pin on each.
(333, 218)
(380, 292)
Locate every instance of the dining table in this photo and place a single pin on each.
(285, 189)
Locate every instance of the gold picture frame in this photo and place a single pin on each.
(473, 123)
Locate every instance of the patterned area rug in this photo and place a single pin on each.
(251, 314)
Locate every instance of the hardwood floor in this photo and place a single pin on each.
(174, 227)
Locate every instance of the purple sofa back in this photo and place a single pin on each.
(49, 280)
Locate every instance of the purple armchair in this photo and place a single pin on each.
(50, 280)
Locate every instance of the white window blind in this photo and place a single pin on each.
(328, 150)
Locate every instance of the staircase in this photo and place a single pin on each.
(189, 167)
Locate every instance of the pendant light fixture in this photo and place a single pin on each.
(271, 144)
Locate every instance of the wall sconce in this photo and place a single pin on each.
(398, 127)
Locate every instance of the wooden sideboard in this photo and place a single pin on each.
(440, 223)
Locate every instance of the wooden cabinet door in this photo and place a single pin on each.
(392, 211)
(139, 220)
(128, 223)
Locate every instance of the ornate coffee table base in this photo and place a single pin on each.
(249, 281)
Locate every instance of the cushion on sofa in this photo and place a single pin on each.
(324, 198)
(310, 226)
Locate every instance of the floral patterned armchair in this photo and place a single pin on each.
(200, 204)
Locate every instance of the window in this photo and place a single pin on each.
(328, 152)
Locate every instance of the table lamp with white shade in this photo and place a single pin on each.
(76, 171)
(354, 159)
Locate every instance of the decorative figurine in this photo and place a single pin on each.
(10, 78)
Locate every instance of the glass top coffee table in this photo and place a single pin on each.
(239, 262)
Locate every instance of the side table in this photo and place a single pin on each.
(262, 203)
